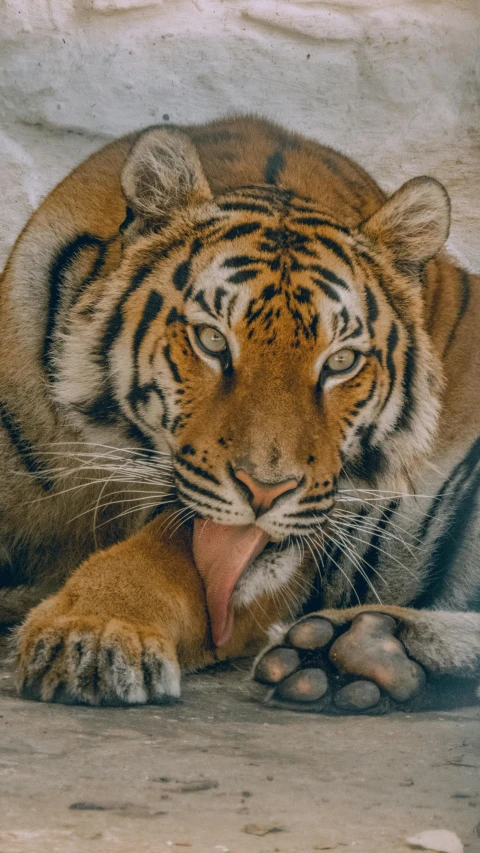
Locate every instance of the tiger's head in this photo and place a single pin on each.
(272, 350)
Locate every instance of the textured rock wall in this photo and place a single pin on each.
(393, 84)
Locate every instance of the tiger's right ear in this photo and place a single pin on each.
(162, 173)
(414, 222)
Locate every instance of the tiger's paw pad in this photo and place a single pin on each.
(358, 668)
(95, 662)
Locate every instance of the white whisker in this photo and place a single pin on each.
(351, 521)
(358, 560)
(386, 554)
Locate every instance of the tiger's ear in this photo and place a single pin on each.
(414, 223)
(163, 173)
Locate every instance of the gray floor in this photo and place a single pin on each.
(219, 773)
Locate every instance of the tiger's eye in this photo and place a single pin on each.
(342, 360)
(211, 339)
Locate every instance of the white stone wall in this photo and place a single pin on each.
(393, 84)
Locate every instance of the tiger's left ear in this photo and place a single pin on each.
(414, 223)
(163, 173)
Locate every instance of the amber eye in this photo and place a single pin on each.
(211, 339)
(341, 361)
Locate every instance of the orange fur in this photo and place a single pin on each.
(88, 328)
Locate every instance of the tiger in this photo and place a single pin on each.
(239, 394)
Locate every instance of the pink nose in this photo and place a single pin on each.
(262, 495)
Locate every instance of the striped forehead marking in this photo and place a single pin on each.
(277, 246)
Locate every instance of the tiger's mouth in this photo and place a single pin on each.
(222, 553)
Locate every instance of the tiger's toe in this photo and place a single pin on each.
(96, 662)
(358, 668)
(370, 650)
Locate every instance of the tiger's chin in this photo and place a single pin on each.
(272, 570)
(270, 573)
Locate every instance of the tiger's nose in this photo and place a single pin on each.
(263, 495)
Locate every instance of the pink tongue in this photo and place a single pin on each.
(222, 552)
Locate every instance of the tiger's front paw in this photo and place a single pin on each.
(355, 668)
(96, 661)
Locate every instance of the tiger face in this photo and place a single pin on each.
(269, 348)
(266, 360)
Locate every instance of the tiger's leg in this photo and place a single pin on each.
(125, 624)
(369, 659)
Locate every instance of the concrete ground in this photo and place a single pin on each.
(221, 773)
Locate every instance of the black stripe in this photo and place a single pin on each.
(103, 409)
(303, 295)
(304, 207)
(152, 309)
(60, 265)
(473, 603)
(309, 513)
(270, 195)
(336, 248)
(200, 300)
(195, 469)
(396, 303)
(181, 275)
(187, 499)
(464, 300)
(220, 292)
(178, 421)
(372, 310)
(145, 442)
(115, 323)
(371, 460)
(208, 223)
(371, 556)
(95, 272)
(241, 230)
(172, 365)
(129, 218)
(329, 276)
(328, 291)
(448, 545)
(242, 275)
(358, 330)
(175, 316)
(273, 168)
(345, 315)
(392, 343)
(316, 498)
(250, 207)
(199, 490)
(25, 448)
(360, 404)
(231, 307)
(408, 378)
(238, 261)
(141, 394)
(457, 478)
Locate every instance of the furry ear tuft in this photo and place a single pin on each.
(414, 223)
(163, 173)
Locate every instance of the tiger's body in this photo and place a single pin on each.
(111, 407)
